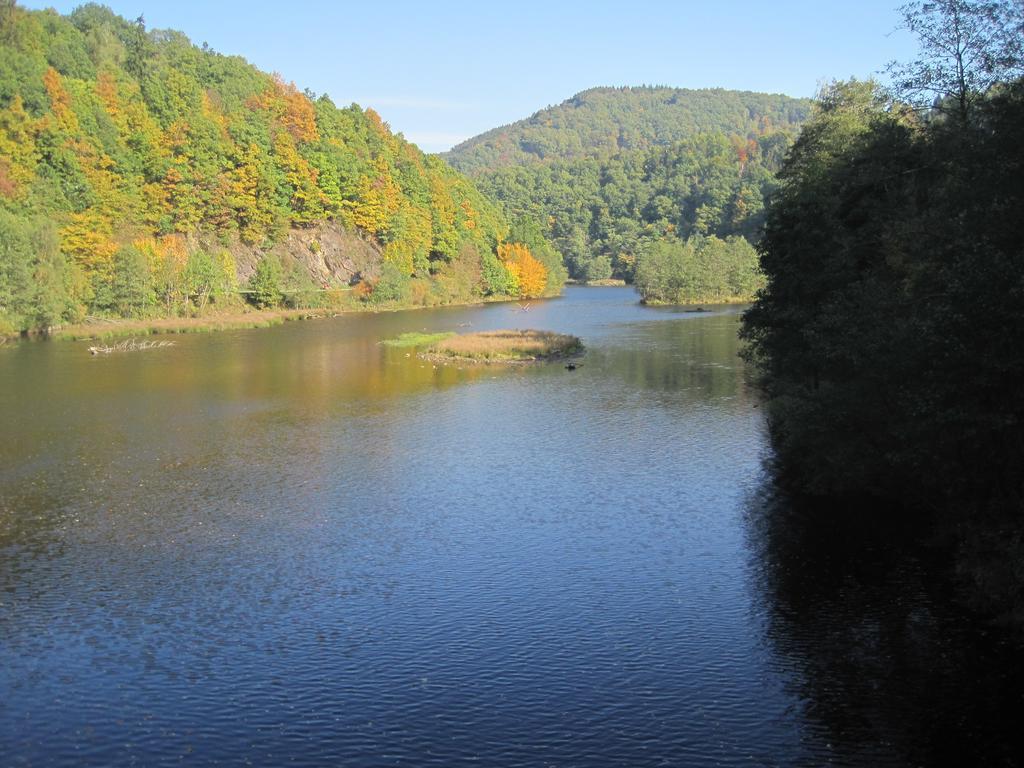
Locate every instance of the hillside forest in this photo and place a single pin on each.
(617, 175)
(143, 175)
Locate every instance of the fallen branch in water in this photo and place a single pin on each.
(129, 346)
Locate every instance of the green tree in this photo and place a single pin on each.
(701, 269)
(300, 291)
(132, 286)
(393, 285)
(265, 283)
(967, 46)
(52, 300)
(598, 268)
(15, 272)
(496, 278)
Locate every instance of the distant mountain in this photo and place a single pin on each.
(612, 170)
(600, 122)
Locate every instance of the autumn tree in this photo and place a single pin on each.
(528, 275)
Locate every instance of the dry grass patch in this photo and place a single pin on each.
(506, 346)
(112, 329)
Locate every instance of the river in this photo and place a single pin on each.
(295, 546)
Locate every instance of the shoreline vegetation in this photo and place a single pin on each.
(105, 329)
(698, 304)
(241, 318)
(610, 282)
(501, 346)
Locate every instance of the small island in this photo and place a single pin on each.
(504, 346)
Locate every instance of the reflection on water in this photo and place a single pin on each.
(876, 647)
(296, 545)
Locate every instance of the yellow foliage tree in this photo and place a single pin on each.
(18, 156)
(468, 215)
(60, 101)
(530, 276)
(307, 200)
(112, 200)
(249, 195)
(106, 90)
(378, 199)
(167, 257)
(410, 239)
(290, 108)
(442, 212)
(87, 239)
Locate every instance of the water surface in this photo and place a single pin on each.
(296, 546)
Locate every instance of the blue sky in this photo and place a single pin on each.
(440, 72)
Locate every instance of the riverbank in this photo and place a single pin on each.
(121, 328)
(102, 329)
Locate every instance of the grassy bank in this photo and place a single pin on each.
(416, 339)
(233, 319)
(114, 329)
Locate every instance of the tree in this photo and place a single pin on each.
(598, 268)
(132, 285)
(265, 284)
(15, 271)
(497, 279)
(52, 300)
(201, 277)
(528, 232)
(392, 285)
(701, 269)
(967, 46)
(529, 276)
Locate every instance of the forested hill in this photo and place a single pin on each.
(615, 173)
(141, 174)
(600, 122)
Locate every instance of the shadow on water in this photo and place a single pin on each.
(862, 616)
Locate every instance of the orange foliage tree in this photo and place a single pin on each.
(292, 110)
